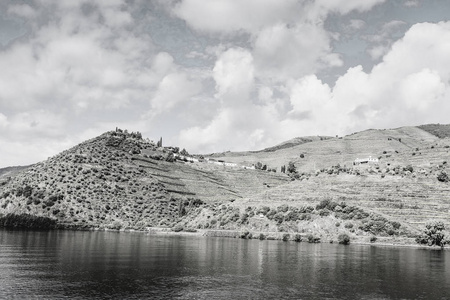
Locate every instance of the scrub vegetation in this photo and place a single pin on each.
(304, 190)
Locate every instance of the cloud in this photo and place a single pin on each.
(287, 37)
(356, 24)
(346, 6)
(282, 52)
(411, 3)
(230, 16)
(307, 94)
(384, 38)
(174, 89)
(234, 76)
(22, 10)
(410, 86)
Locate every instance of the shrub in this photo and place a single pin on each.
(243, 218)
(245, 235)
(262, 236)
(313, 239)
(348, 225)
(178, 228)
(443, 177)
(291, 167)
(286, 237)
(409, 168)
(291, 216)
(344, 239)
(297, 238)
(373, 239)
(324, 212)
(396, 225)
(322, 204)
(433, 235)
(283, 208)
(279, 218)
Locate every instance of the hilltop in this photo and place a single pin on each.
(121, 181)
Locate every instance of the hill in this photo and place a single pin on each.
(121, 181)
(11, 171)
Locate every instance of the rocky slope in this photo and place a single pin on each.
(119, 180)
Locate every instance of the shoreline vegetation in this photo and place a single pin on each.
(120, 181)
(30, 222)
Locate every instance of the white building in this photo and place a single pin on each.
(368, 160)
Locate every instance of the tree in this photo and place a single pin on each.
(433, 235)
(344, 239)
(443, 177)
(291, 168)
(184, 152)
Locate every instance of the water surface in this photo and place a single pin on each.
(111, 265)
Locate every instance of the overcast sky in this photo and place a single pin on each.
(216, 75)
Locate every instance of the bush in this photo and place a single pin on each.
(297, 238)
(291, 168)
(262, 236)
(344, 239)
(178, 228)
(324, 212)
(245, 235)
(443, 177)
(408, 168)
(348, 225)
(286, 237)
(313, 239)
(283, 208)
(433, 235)
(373, 239)
(323, 204)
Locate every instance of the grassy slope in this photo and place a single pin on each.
(388, 190)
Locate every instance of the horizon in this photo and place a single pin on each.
(225, 75)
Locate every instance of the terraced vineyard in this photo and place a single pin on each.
(119, 180)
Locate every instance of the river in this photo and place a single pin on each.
(113, 265)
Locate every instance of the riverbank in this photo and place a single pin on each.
(291, 237)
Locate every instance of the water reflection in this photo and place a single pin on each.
(101, 265)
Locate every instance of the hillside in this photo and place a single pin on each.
(11, 171)
(120, 180)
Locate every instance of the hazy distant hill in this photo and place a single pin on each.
(120, 180)
(9, 171)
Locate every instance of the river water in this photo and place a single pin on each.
(112, 265)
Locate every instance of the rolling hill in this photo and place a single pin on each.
(121, 181)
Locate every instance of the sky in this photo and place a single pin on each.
(217, 75)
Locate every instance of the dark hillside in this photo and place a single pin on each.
(439, 130)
